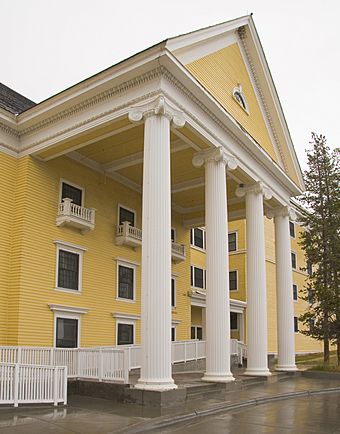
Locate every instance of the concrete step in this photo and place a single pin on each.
(204, 388)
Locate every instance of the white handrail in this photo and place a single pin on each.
(106, 363)
(21, 383)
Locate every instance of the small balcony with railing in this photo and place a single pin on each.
(76, 216)
(131, 236)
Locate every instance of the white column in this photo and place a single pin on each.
(156, 245)
(217, 264)
(284, 289)
(257, 345)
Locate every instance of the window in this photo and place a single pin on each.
(232, 280)
(126, 280)
(233, 321)
(197, 277)
(292, 229)
(232, 242)
(309, 268)
(173, 334)
(198, 238)
(68, 270)
(239, 97)
(66, 333)
(196, 332)
(173, 235)
(296, 324)
(72, 192)
(173, 292)
(126, 215)
(311, 324)
(293, 256)
(125, 334)
(295, 292)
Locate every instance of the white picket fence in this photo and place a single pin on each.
(21, 383)
(105, 363)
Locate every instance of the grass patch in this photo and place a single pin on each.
(314, 362)
(330, 368)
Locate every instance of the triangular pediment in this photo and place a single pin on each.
(228, 58)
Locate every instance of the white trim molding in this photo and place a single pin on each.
(60, 308)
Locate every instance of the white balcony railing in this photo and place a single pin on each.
(76, 216)
(132, 236)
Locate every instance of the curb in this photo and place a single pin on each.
(166, 421)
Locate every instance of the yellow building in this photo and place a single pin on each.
(85, 173)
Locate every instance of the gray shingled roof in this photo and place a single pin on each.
(12, 101)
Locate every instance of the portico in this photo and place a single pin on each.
(192, 155)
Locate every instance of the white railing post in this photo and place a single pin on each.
(67, 206)
(16, 384)
(126, 365)
(196, 350)
(55, 386)
(52, 356)
(126, 226)
(18, 355)
(93, 214)
(65, 385)
(185, 351)
(101, 365)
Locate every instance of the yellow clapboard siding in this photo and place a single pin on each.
(8, 167)
(220, 72)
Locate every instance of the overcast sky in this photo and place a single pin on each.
(49, 45)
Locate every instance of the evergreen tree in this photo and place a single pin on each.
(321, 243)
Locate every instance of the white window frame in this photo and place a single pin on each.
(239, 90)
(292, 237)
(193, 240)
(233, 290)
(236, 233)
(128, 209)
(66, 316)
(175, 284)
(125, 322)
(195, 326)
(193, 278)
(127, 265)
(72, 184)
(297, 293)
(296, 264)
(72, 248)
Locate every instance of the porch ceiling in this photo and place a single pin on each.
(117, 151)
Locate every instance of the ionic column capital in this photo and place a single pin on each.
(283, 211)
(215, 154)
(157, 107)
(258, 188)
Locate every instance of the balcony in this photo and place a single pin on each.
(128, 235)
(131, 236)
(79, 217)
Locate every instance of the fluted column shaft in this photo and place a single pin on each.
(257, 346)
(156, 246)
(284, 285)
(217, 267)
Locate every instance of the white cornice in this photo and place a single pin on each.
(68, 309)
(200, 97)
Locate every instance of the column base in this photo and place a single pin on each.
(215, 378)
(286, 368)
(155, 385)
(258, 372)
